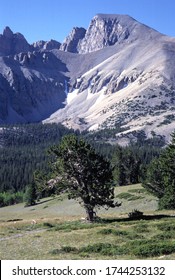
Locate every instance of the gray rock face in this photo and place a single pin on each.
(39, 45)
(71, 42)
(107, 30)
(52, 44)
(7, 33)
(103, 31)
(46, 45)
(11, 43)
(31, 86)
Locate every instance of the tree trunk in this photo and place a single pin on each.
(90, 214)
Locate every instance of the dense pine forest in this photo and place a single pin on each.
(23, 150)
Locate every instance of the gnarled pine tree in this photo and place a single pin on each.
(85, 175)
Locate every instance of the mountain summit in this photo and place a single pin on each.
(106, 30)
(117, 73)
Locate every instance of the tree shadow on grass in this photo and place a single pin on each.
(42, 202)
(128, 219)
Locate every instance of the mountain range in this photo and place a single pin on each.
(118, 73)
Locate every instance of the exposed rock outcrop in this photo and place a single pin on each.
(12, 43)
(71, 42)
(46, 45)
(105, 30)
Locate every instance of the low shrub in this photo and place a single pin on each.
(68, 249)
(135, 214)
(153, 249)
(74, 226)
(141, 228)
(120, 233)
(55, 252)
(64, 249)
(166, 227)
(164, 236)
(104, 249)
(106, 231)
(49, 225)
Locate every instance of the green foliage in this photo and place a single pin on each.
(141, 228)
(128, 196)
(104, 249)
(23, 150)
(160, 179)
(86, 175)
(69, 226)
(157, 240)
(120, 233)
(153, 248)
(130, 163)
(7, 198)
(166, 227)
(68, 249)
(48, 225)
(164, 236)
(64, 249)
(138, 191)
(124, 195)
(30, 195)
(106, 231)
(126, 166)
(153, 181)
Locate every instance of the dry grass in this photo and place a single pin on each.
(54, 229)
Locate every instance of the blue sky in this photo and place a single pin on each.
(54, 19)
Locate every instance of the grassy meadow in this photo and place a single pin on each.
(55, 228)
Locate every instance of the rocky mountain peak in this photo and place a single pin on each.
(71, 42)
(105, 30)
(46, 45)
(12, 43)
(7, 32)
(108, 29)
(39, 45)
(52, 44)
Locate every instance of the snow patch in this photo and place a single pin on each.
(71, 95)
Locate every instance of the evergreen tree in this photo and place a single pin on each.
(118, 164)
(30, 195)
(85, 175)
(160, 178)
(126, 166)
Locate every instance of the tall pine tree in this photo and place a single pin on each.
(160, 179)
